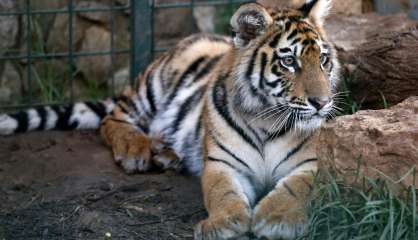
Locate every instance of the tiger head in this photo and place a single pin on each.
(286, 68)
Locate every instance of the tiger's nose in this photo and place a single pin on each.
(318, 102)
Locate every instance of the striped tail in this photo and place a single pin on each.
(80, 115)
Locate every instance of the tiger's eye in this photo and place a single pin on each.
(324, 59)
(288, 61)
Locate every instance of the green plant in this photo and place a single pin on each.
(364, 210)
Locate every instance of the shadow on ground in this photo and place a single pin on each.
(64, 185)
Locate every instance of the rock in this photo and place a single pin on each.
(10, 84)
(205, 18)
(373, 141)
(95, 68)
(121, 80)
(167, 26)
(384, 69)
(58, 40)
(378, 55)
(345, 7)
(9, 26)
(349, 33)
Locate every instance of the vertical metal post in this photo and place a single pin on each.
(112, 48)
(141, 38)
(70, 48)
(413, 12)
(29, 50)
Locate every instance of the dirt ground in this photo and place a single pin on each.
(64, 185)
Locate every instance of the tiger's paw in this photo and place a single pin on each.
(131, 149)
(165, 157)
(223, 227)
(278, 221)
(133, 153)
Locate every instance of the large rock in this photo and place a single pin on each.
(345, 7)
(95, 68)
(349, 32)
(9, 27)
(374, 141)
(379, 57)
(10, 84)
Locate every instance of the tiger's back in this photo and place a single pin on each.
(175, 87)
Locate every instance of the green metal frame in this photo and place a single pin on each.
(142, 49)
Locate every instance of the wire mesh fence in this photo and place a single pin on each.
(41, 81)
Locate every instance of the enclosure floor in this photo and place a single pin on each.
(64, 185)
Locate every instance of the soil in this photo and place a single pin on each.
(65, 185)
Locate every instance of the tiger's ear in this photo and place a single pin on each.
(248, 22)
(316, 10)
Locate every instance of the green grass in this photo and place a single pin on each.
(364, 210)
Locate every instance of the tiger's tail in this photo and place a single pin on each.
(79, 115)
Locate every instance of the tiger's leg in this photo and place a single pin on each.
(132, 148)
(282, 213)
(227, 205)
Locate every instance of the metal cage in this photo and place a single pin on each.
(140, 52)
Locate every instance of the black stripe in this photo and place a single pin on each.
(221, 104)
(43, 116)
(303, 163)
(231, 154)
(187, 106)
(295, 41)
(207, 68)
(273, 84)
(98, 108)
(292, 34)
(64, 114)
(275, 41)
(275, 70)
(123, 109)
(285, 50)
(150, 93)
(251, 64)
(224, 162)
(308, 41)
(253, 58)
(143, 107)
(287, 26)
(190, 70)
(289, 189)
(22, 119)
(263, 65)
(290, 154)
(198, 127)
(307, 7)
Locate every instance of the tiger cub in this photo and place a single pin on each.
(239, 112)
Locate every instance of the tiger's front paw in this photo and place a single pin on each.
(133, 153)
(222, 226)
(279, 220)
(131, 149)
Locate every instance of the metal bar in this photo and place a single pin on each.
(112, 52)
(70, 48)
(29, 51)
(193, 23)
(141, 31)
(205, 3)
(63, 11)
(64, 55)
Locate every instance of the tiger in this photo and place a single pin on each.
(239, 112)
